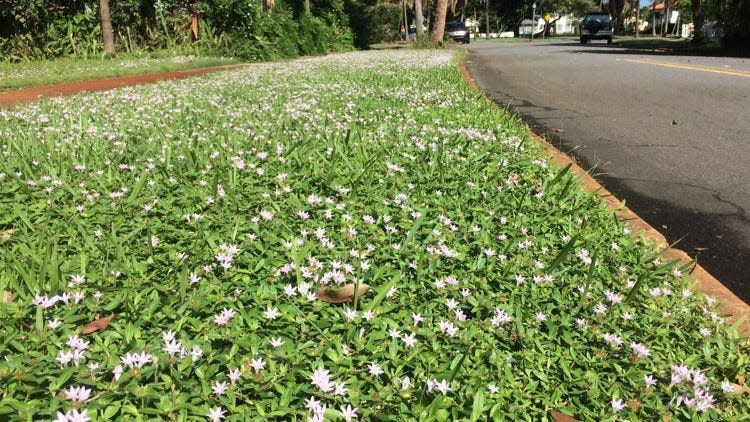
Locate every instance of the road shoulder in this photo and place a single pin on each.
(729, 304)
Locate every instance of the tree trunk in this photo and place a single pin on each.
(438, 30)
(697, 21)
(107, 35)
(418, 17)
(487, 18)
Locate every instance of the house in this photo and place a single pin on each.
(564, 25)
(664, 24)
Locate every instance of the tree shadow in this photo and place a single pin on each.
(665, 48)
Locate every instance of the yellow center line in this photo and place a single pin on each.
(692, 67)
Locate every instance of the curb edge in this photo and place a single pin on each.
(729, 303)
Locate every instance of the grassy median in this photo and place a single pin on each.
(350, 237)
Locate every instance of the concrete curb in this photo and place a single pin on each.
(729, 303)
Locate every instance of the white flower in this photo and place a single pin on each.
(257, 364)
(350, 314)
(77, 394)
(649, 381)
(727, 387)
(612, 339)
(219, 388)
(405, 383)
(617, 405)
(234, 375)
(409, 339)
(276, 342)
(117, 372)
(271, 314)
(348, 412)
(321, 378)
(442, 386)
(368, 315)
(172, 347)
(375, 369)
(216, 414)
(639, 350)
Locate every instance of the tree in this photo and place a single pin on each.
(697, 21)
(438, 30)
(418, 17)
(107, 34)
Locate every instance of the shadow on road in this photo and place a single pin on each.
(662, 49)
(706, 237)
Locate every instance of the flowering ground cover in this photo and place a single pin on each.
(18, 75)
(162, 247)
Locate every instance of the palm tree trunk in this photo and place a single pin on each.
(439, 29)
(418, 16)
(106, 22)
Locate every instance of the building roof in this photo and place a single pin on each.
(660, 6)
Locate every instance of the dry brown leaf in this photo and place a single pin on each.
(7, 296)
(741, 379)
(740, 389)
(341, 294)
(6, 235)
(561, 417)
(97, 324)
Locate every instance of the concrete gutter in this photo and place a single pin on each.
(728, 303)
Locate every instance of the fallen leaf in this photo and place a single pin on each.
(741, 379)
(561, 417)
(97, 324)
(7, 296)
(740, 389)
(341, 294)
(6, 235)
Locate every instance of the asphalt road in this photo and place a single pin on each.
(669, 135)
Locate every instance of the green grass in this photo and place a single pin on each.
(49, 72)
(204, 214)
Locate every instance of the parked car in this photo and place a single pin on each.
(458, 31)
(596, 26)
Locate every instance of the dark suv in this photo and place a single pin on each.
(596, 26)
(457, 31)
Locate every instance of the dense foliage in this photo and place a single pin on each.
(251, 30)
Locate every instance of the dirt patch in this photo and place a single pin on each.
(27, 95)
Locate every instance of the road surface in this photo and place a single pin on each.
(669, 135)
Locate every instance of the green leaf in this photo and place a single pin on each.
(477, 406)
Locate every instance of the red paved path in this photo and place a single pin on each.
(26, 95)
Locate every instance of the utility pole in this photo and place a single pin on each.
(533, 12)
